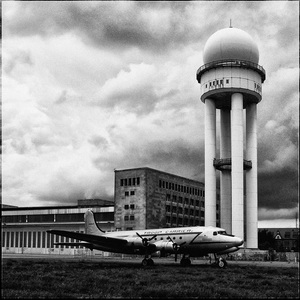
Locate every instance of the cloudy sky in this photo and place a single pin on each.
(89, 87)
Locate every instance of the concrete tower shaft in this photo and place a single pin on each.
(225, 176)
(231, 81)
(210, 154)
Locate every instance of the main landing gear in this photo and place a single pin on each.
(147, 262)
(185, 261)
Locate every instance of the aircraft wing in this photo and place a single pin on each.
(91, 239)
(84, 244)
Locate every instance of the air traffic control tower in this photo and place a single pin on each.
(231, 81)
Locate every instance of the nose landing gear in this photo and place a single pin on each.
(220, 262)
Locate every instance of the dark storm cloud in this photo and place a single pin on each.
(175, 156)
(57, 198)
(69, 197)
(278, 135)
(278, 175)
(101, 24)
(189, 158)
(271, 148)
(278, 189)
(132, 24)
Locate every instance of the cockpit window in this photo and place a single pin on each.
(222, 232)
(215, 233)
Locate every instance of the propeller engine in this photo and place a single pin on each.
(176, 247)
(145, 241)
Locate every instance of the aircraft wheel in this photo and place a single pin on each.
(144, 262)
(185, 262)
(222, 263)
(147, 262)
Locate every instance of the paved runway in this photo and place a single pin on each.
(157, 260)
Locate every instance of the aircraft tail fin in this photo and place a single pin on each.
(91, 226)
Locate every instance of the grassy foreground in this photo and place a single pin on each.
(41, 278)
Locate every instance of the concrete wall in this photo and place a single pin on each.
(150, 200)
(231, 78)
(130, 191)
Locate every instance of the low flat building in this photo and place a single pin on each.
(24, 228)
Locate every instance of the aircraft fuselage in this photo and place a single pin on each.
(195, 241)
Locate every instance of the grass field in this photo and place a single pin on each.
(41, 278)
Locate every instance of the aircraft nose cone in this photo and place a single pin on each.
(240, 242)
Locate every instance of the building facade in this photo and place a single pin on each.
(24, 229)
(149, 198)
(286, 239)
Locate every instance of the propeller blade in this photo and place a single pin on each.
(145, 241)
(176, 247)
(152, 237)
(139, 235)
(176, 256)
(168, 238)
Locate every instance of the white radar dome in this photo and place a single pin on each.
(230, 43)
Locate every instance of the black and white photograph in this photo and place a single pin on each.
(150, 146)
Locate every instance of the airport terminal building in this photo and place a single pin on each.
(148, 198)
(144, 198)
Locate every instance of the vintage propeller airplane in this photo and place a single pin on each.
(194, 241)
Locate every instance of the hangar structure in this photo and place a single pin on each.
(144, 198)
(24, 228)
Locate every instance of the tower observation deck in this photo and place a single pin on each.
(228, 78)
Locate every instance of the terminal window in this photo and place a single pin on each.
(130, 181)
